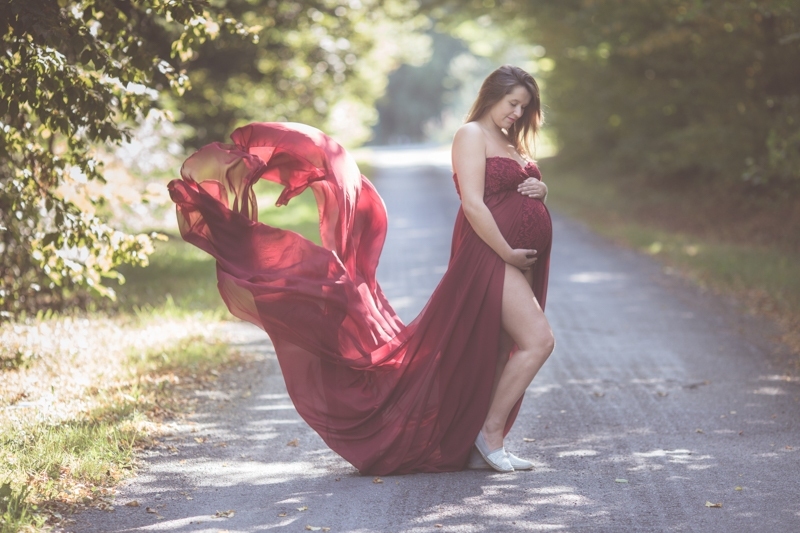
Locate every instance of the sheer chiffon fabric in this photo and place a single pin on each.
(387, 397)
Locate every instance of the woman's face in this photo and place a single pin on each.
(510, 107)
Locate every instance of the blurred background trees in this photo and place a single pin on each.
(668, 88)
(74, 75)
(80, 77)
(101, 100)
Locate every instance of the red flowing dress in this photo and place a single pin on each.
(387, 397)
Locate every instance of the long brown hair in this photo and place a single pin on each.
(498, 84)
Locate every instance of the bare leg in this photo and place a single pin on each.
(522, 318)
(506, 343)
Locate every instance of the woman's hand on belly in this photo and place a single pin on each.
(521, 258)
(533, 188)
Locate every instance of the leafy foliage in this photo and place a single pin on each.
(73, 73)
(318, 62)
(77, 75)
(672, 87)
(416, 95)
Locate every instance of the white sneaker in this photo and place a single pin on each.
(497, 459)
(519, 464)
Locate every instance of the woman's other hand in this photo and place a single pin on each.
(533, 188)
(521, 258)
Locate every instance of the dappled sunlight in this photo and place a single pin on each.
(273, 396)
(769, 391)
(229, 473)
(595, 277)
(507, 507)
(578, 453)
(274, 407)
(780, 377)
(535, 390)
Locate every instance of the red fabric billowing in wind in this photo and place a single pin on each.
(388, 397)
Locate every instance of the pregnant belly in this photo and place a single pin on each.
(535, 230)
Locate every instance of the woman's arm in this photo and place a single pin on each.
(469, 163)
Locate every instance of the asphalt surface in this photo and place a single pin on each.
(658, 400)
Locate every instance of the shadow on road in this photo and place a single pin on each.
(658, 401)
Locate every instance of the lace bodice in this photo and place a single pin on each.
(504, 174)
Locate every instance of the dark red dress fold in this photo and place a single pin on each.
(388, 397)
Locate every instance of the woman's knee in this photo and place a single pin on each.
(548, 342)
(540, 338)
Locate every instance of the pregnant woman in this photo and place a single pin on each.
(388, 397)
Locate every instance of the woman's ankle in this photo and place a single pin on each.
(493, 436)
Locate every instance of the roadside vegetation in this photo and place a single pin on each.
(97, 113)
(734, 241)
(693, 108)
(82, 393)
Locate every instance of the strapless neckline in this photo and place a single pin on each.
(512, 160)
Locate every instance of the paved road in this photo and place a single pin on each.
(657, 399)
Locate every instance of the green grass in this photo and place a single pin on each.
(182, 278)
(46, 467)
(191, 355)
(725, 241)
(739, 268)
(300, 215)
(49, 468)
(179, 278)
(15, 513)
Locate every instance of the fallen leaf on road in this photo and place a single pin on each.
(150, 510)
(738, 488)
(312, 528)
(526, 439)
(338, 479)
(662, 393)
(224, 514)
(182, 461)
(377, 480)
(788, 448)
(189, 498)
(173, 449)
(199, 440)
(303, 508)
(599, 394)
(293, 442)
(281, 514)
(132, 503)
(438, 525)
(620, 480)
(716, 505)
(698, 430)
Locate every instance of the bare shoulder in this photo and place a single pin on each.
(468, 154)
(469, 147)
(470, 137)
